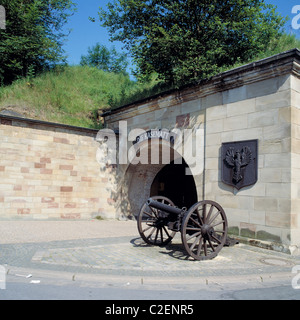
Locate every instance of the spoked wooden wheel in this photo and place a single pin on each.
(204, 230)
(152, 223)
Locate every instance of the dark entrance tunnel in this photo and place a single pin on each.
(173, 183)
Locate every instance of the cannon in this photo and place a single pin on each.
(203, 227)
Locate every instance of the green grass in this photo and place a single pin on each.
(77, 95)
(73, 95)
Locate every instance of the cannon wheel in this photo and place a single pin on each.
(152, 224)
(204, 230)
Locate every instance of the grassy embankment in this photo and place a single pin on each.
(71, 95)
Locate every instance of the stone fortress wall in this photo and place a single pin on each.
(50, 171)
(257, 101)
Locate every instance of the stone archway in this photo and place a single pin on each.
(139, 179)
(142, 181)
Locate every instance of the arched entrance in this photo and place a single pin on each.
(144, 180)
(173, 183)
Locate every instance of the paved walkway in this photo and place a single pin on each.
(109, 252)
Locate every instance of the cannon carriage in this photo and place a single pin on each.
(203, 227)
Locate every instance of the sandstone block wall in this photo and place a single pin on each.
(295, 159)
(50, 171)
(258, 101)
(257, 111)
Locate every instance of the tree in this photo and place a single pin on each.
(188, 40)
(33, 38)
(104, 59)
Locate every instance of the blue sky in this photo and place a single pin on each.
(86, 34)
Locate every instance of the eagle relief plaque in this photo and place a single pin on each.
(239, 163)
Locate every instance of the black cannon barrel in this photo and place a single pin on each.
(164, 207)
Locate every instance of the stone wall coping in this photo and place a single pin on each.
(20, 121)
(271, 67)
